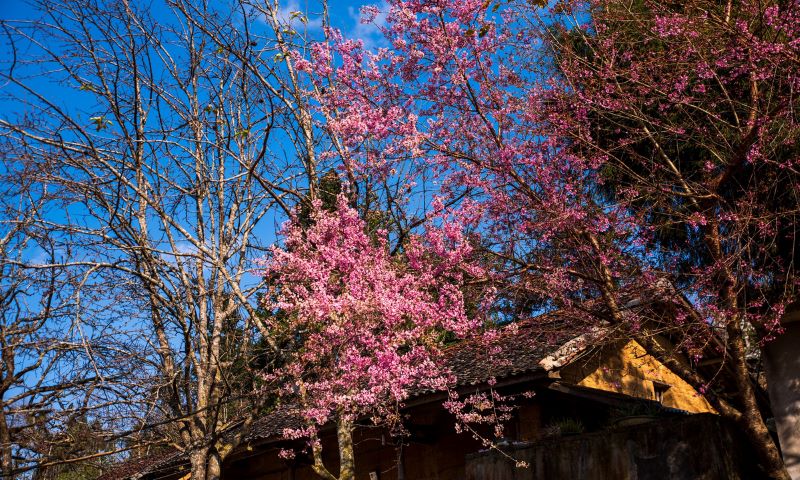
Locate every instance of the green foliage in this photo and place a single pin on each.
(100, 122)
(702, 151)
(80, 438)
(564, 426)
(329, 187)
(647, 409)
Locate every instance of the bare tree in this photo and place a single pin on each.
(183, 140)
(52, 359)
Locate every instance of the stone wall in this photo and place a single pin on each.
(695, 447)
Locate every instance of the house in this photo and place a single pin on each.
(562, 384)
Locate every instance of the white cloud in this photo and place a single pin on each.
(369, 33)
(288, 15)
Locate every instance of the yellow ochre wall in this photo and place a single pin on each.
(631, 371)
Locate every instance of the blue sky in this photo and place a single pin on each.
(344, 15)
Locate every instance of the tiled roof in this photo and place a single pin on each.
(515, 351)
(273, 425)
(137, 467)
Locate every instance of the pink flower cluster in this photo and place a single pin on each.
(369, 327)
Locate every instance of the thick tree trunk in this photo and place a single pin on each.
(344, 434)
(199, 462)
(751, 420)
(206, 464)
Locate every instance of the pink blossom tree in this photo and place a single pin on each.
(694, 110)
(611, 157)
(367, 328)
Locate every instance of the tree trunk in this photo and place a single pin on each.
(344, 434)
(199, 462)
(751, 420)
(401, 469)
(6, 461)
(214, 469)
